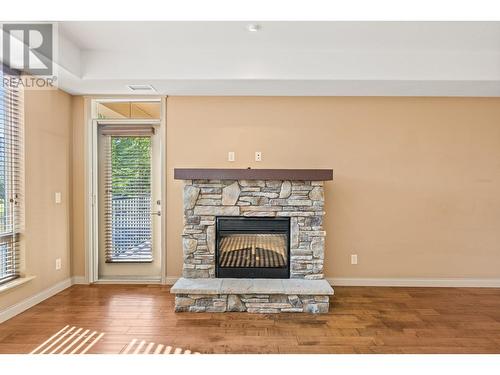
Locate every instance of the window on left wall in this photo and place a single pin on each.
(11, 176)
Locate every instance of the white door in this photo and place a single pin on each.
(129, 202)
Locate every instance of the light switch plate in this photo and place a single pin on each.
(58, 197)
(354, 259)
(230, 156)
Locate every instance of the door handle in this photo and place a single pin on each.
(157, 213)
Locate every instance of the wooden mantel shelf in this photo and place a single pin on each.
(253, 174)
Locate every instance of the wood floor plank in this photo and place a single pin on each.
(361, 320)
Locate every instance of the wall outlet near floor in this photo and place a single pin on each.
(58, 263)
(258, 156)
(58, 197)
(230, 156)
(354, 258)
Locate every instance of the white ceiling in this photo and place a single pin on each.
(283, 58)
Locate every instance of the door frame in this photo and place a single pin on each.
(91, 188)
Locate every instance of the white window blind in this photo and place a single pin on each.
(11, 176)
(127, 194)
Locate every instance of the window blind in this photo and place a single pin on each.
(11, 176)
(127, 195)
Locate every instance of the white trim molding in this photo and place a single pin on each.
(79, 280)
(29, 302)
(91, 185)
(170, 280)
(15, 283)
(416, 282)
(402, 282)
(129, 280)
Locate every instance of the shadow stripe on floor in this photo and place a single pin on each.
(73, 340)
(69, 340)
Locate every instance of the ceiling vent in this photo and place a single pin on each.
(142, 88)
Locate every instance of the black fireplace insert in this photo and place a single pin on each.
(252, 247)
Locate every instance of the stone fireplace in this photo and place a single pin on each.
(253, 240)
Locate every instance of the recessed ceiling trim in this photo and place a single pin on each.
(289, 58)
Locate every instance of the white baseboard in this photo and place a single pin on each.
(128, 280)
(415, 282)
(170, 280)
(79, 280)
(409, 282)
(361, 281)
(33, 300)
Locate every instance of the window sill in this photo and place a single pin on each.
(15, 283)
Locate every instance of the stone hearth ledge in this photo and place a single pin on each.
(251, 286)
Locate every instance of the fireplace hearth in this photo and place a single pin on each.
(253, 247)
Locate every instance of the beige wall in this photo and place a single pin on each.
(47, 164)
(417, 180)
(416, 184)
(78, 239)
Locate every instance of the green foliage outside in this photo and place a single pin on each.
(131, 165)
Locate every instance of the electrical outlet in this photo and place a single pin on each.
(258, 156)
(58, 263)
(230, 156)
(354, 258)
(58, 197)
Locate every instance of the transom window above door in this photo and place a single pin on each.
(110, 110)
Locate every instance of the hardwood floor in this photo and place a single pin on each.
(361, 320)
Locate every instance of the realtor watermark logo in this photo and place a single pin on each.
(29, 48)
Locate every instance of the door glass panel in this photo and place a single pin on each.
(127, 200)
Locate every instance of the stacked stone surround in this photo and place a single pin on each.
(302, 201)
(252, 303)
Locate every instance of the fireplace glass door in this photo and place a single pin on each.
(253, 247)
